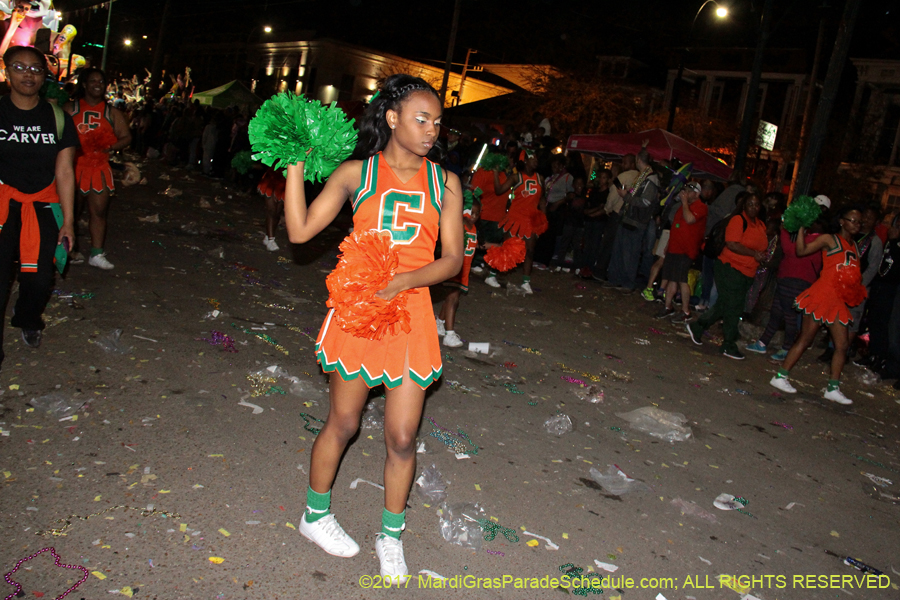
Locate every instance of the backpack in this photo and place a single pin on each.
(714, 243)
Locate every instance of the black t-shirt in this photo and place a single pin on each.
(596, 198)
(28, 145)
(889, 272)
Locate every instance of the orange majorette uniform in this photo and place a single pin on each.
(92, 172)
(461, 280)
(820, 300)
(272, 184)
(411, 212)
(524, 219)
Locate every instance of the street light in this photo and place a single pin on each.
(267, 29)
(127, 42)
(721, 12)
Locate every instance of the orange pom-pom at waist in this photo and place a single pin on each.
(367, 265)
(848, 285)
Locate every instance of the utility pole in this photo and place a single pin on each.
(749, 117)
(462, 79)
(453, 29)
(807, 109)
(158, 52)
(106, 37)
(826, 101)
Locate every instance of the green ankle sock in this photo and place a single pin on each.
(492, 274)
(96, 251)
(392, 523)
(526, 279)
(833, 384)
(782, 374)
(317, 505)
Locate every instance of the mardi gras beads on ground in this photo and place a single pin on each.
(453, 439)
(313, 430)
(607, 373)
(266, 338)
(262, 384)
(523, 348)
(217, 338)
(56, 562)
(491, 529)
(61, 531)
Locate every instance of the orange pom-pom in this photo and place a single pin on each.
(367, 265)
(96, 140)
(507, 255)
(848, 285)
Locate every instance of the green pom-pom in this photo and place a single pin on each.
(289, 129)
(242, 162)
(802, 212)
(493, 161)
(52, 91)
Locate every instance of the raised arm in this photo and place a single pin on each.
(512, 180)
(452, 242)
(821, 242)
(304, 223)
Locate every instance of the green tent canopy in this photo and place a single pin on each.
(234, 93)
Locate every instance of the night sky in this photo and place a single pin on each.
(566, 34)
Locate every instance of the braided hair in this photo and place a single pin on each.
(374, 131)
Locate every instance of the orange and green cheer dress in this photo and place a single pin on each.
(411, 212)
(524, 219)
(461, 281)
(821, 300)
(96, 134)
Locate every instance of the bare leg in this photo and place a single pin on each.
(807, 334)
(685, 297)
(840, 337)
(98, 205)
(530, 243)
(654, 271)
(671, 288)
(448, 310)
(402, 413)
(347, 401)
(273, 214)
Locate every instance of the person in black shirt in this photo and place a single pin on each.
(882, 310)
(37, 151)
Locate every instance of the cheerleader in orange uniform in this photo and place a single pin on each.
(525, 217)
(446, 321)
(393, 188)
(271, 185)
(101, 129)
(824, 303)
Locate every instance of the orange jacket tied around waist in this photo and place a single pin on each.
(30, 237)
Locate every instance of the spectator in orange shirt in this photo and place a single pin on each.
(745, 245)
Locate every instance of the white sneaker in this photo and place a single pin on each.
(492, 281)
(526, 287)
(477, 270)
(451, 340)
(783, 384)
(100, 262)
(836, 396)
(390, 553)
(269, 243)
(440, 327)
(328, 535)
